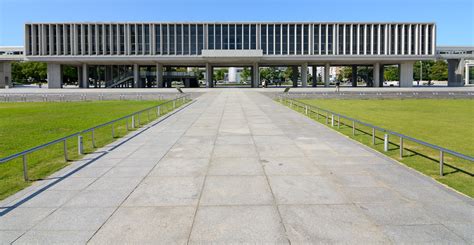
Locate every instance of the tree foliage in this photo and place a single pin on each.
(29, 72)
(245, 74)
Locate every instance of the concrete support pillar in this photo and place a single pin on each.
(5, 74)
(304, 75)
(315, 76)
(54, 75)
(209, 76)
(376, 75)
(255, 76)
(406, 74)
(136, 76)
(455, 70)
(84, 82)
(159, 75)
(354, 76)
(327, 67)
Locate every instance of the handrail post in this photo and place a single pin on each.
(338, 122)
(401, 147)
(306, 109)
(353, 128)
(385, 142)
(441, 163)
(373, 136)
(93, 137)
(65, 150)
(332, 120)
(25, 168)
(133, 121)
(80, 146)
(113, 131)
(158, 111)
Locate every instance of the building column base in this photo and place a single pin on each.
(54, 75)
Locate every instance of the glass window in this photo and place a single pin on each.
(278, 39)
(306, 39)
(122, 39)
(140, 39)
(270, 39)
(225, 37)
(172, 35)
(193, 40)
(405, 47)
(316, 39)
(354, 39)
(331, 31)
(79, 39)
(147, 39)
(48, 50)
(200, 38)
(165, 39)
(399, 33)
(246, 40)
(179, 40)
(341, 39)
(323, 39)
(239, 36)
(68, 31)
(253, 37)
(368, 36)
(232, 36)
(348, 39)
(37, 37)
(210, 37)
(299, 39)
(382, 39)
(107, 39)
(423, 43)
(292, 40)
(285, 39)
(218, 36)
(376, 39)
(93, 46)
(392, 34)
(55, 49)
(263, 38)
(157, 38)
(430, 40)
(186, 40)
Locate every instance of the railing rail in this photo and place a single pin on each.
(284, 98)
(79, 134)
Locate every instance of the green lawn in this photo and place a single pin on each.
(445, 122)
(25, 125)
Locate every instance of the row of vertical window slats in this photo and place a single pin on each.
(191, 39)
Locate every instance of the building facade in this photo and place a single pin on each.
(301, 44)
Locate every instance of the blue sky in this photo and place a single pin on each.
(454, 18)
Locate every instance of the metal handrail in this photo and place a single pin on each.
(310, 108)
(23, 154)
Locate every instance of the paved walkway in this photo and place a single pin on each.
(235, 167)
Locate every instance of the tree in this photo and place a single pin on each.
(391, 73)
(219, 74)
(70, 75)
(245, 74)
(29, 71)
(199, 73)
(439, 71)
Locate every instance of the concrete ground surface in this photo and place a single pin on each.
(236, 167)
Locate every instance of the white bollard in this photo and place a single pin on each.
(385, 142)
